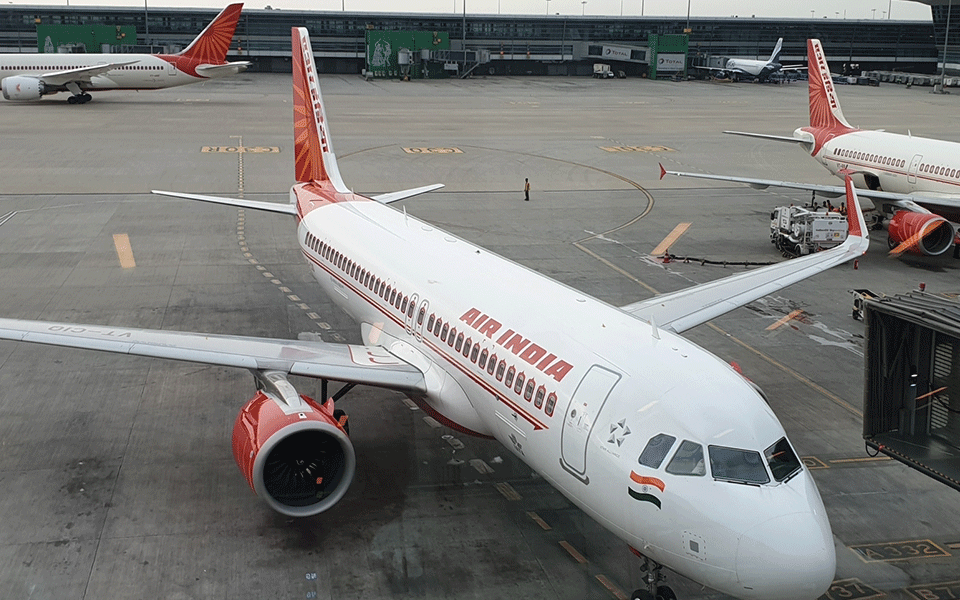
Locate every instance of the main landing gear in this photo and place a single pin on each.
(79, 99)
(652, 577)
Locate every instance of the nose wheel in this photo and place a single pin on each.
(652, 577)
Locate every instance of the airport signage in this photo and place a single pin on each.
(616, 52)
(671, 62)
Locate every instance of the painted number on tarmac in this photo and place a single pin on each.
(850, 589)
(637, 149)
(936, 591)
(899, 551)
(433, 150)
(242, 149)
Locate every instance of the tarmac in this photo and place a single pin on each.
(116, 474)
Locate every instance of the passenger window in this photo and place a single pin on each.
(436, 328)
(528, 392)
(411, 309)
(431, 321)
(492, 364)
(509, 380)
(656, 450)
(423, 311)
(538, 400)
(476, 351)
(688, 460)
(732, 464)
(453, 336)
(466, 347)
(443, 332)
(482, 363)
(403, 305)
(782, 460)
(551, 404)
(459, 343)
(500, 368)
(519, 385)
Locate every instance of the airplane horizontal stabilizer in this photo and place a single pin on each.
(394, 196)
(286, 209)
(367, 365)
(679, 311)
(226, 69)
(766, 136)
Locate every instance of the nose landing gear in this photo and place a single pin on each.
(651, 579)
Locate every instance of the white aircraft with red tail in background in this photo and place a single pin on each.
(913, 181)
(663, 443)
(25, 77)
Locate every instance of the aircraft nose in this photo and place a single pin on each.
(790, 557)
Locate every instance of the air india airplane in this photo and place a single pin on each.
(32, 76)
(913, 181)
(694, 473)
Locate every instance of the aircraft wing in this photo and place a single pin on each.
(368, 365)
(285, 209)
(879, 197)
(767, 136)
(679, 311)
(80, 74)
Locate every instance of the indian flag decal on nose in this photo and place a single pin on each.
(647, 484)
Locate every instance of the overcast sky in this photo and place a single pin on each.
(851, 9)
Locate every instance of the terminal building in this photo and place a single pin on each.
(505, 44)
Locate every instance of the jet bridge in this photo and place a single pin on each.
(912, 393)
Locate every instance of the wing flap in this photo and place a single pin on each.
(368, 365)
(679, 311)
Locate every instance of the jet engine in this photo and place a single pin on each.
(22, 88)
(293, 452)
(934, 234)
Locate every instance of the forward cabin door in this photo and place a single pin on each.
(581, 417)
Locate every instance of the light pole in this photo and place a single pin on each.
(548, 7)
(583, 10)
(889, 6)
(874, 11)
(946, 33)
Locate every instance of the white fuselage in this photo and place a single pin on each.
(751, 66)
(604, 383)
(899, 163)
(146, 71)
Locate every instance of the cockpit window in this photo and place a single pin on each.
(731, 464)
(656, 450)
(688, 460)
(782, 460)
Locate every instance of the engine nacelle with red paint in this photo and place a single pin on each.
(934, 233)
(297, 458)
(21, 88)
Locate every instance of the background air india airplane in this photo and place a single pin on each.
(913, 181)
(32, 76)
(661, 442)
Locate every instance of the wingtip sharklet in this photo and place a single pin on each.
(857, 233)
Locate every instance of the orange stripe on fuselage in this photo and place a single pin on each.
(647, 481)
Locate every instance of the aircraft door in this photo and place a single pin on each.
(171, 69)
(581, 416)
(914, 165)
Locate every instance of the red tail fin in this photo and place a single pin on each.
(210, 47)
(313, 149)
(825, 110)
